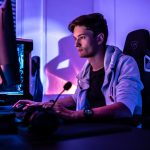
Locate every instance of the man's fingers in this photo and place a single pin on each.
(26, 107)
(46, 105)
(22, 102)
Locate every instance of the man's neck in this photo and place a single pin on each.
(97, 62)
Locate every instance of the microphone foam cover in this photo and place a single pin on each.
(67, 86)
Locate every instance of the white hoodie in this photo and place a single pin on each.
(121, 83)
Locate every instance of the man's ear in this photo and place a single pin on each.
(100, 38)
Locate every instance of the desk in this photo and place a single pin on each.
(80, 136)
(134, 140)
(122, 139)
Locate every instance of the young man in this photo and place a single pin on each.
(109, 84)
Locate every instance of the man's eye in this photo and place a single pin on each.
(82, 37)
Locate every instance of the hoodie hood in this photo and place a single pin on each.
(111, 57)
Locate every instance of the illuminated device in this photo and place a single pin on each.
(14, 59)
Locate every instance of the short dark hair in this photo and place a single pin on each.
(94, 22)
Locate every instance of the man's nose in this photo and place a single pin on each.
(77, 43)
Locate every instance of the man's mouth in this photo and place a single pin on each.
(79, 50)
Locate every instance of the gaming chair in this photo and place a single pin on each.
(137, 45)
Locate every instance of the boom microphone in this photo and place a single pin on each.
(42, 121)
(66, 87)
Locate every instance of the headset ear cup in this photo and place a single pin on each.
(43, 122)
(27, 116)
(40, 121)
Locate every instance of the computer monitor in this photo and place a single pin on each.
(8, 51)
(13, 80)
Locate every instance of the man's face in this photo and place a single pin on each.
(85, 42)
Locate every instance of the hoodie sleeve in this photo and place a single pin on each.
(128, 89)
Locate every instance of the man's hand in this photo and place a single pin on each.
(26, 103)
(63, 112)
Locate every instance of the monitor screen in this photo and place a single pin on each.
(9, 94)
(17, 88)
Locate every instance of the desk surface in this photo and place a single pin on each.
(81, 137)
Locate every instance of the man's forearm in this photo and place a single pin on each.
(117, 110)
(114, 111)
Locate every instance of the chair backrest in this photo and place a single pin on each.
(137, 45)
